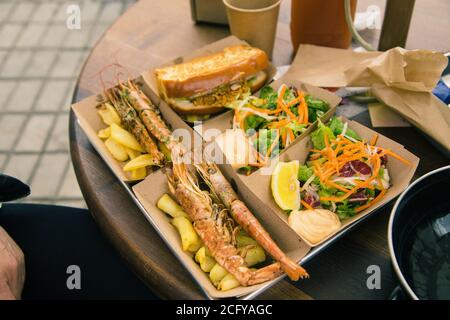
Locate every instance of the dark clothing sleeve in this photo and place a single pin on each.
(54, 238)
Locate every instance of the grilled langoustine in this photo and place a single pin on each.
(133, 123)
(215, 235)
(243, 216)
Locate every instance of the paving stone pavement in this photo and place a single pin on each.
(40, 59)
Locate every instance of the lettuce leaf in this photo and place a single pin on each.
(316, 103)
(298, 128)
(345, 211)
(318, 136)
(304, 173)
(267, 93)
(253, 121)
(336, 125)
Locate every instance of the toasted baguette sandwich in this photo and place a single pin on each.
(205, 85)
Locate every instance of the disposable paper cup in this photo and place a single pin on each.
(254, 21)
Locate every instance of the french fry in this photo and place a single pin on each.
(166, 152)
(243, 240)
(139, 174)
(125, 138)
(108, 117)
(217, 273)
(254, 256)
(118, 151)
(113, 113)
(142, 161)
(228, 282)
(190, 241)
(133, 153)
(204, 259)
(104, 133)
(169, 206)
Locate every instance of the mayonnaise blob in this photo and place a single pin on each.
(314, 225)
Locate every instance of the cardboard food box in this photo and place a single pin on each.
(91, 123)
(150, 79)
(155, 185)
(257, 190)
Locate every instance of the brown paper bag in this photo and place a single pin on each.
(401, 79)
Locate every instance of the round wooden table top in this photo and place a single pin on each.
(144, 36)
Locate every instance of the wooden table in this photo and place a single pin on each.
(139, 39)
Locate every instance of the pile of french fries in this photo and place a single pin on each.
(122, 145)
(191, 243)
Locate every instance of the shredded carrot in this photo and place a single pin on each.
(293, 102)
(306, 205)
(283, 137)
(272, 146)
(396, 156)
(279, 124)
(242, 120)
(236, 117)
(345, 196)
(335, 185)
(374, 140)
(305, 117)
(367, 205)
(303, 108)
(300, 116)
(280, 103)
(281, 96)
(317, 171)
(288, 111)
(291, 134)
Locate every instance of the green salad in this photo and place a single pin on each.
(274, 119)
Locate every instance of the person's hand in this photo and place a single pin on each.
(12, 267)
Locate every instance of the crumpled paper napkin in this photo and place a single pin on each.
(402, 79)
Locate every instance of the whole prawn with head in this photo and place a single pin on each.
(202, 207)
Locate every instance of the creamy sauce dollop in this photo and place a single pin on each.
(314, 225)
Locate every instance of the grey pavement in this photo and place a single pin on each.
(40, 60)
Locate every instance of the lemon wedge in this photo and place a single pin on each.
(285, 186)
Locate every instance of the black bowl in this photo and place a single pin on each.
(419, 236)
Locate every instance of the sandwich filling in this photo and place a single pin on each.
(224, 94)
